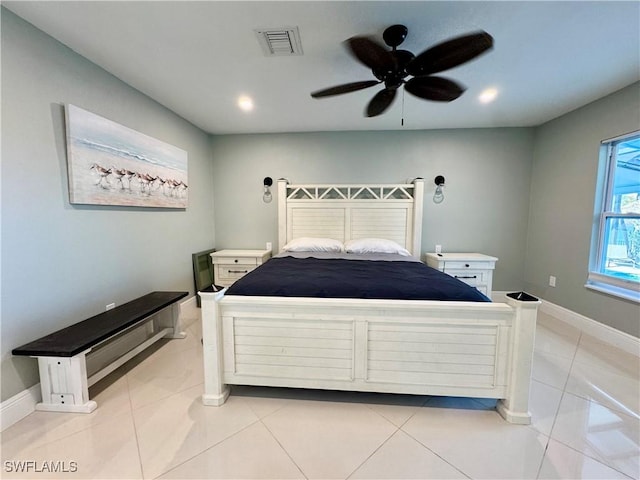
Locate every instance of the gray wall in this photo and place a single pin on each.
(563, 185)
(487, 175)
(62, 263)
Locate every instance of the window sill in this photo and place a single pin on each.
(620, 292)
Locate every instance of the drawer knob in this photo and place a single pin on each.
(466, 264)
(236, 260)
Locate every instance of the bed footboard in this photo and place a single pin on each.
(469, 349)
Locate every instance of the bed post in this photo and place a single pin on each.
(515, 407)
(282, 213)
(215, 391)
(418, 205)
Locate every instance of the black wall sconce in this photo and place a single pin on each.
(266, 196)
(438, 195)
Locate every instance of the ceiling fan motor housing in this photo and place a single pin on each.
(393, 77)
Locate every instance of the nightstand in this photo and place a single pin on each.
(474, 269)
(230, 265)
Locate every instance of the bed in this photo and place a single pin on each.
(421, 345)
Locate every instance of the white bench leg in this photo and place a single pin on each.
(170, 317)
(63, 381)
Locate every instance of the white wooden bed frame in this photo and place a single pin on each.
(469, 349)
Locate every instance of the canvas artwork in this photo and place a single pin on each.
(110, 164)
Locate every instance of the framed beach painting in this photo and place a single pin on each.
(110, 164)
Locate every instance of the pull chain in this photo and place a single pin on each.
(402, 119)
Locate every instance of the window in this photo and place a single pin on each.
(615, 256)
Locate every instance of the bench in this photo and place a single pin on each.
(74, 358)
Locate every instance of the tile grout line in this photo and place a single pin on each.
(130, 369)
(592, 458)
(435, 453)
(588, 400)
(399, 429)
(425, 405)
(374, 452)
(280, 444)
(133, 421)
(208, 448)
(555, 417)
(622, 411)
(135, 427)
(387, 439)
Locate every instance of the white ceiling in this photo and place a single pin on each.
(197, 57)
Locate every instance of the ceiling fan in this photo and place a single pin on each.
(392, 67)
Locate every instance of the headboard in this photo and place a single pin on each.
(346, 212)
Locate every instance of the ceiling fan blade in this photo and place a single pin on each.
(438, 89)
(451, 53)
(371, 53)
(380, 102)
(346, 88)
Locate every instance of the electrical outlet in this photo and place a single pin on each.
(438, 248)
(552, 281)
(269, 246)
(110, 306)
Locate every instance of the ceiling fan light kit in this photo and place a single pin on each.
(392, 67)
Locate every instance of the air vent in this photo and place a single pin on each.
(279, 41)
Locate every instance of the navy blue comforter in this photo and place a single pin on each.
(342, 278)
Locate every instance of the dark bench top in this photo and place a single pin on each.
(78, 337)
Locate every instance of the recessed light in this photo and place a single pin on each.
(245, 103)
(488, 95)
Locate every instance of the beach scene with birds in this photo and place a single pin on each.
(110, 164)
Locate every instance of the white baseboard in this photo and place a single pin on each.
(19, 406)
(602, 332)
(605, 333)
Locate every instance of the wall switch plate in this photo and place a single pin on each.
(438, 248)
(552, 281)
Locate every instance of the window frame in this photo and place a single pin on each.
(597, 280)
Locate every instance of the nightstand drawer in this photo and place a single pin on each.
(471, 277)
(235, 261)
(461, 265)
(233, 272)
(476, 279)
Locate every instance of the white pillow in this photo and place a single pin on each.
(375, 245)
(311, 244)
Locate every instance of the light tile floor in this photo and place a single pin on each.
(150, 423)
